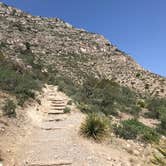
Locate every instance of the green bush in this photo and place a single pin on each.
(95, 126)
(141, 103)
(133, 129)
(67, 110)
(138, 75)
(110, 97)
(156, 107)
(61, 86)
(22, 85)
(101, 95)
(127, 129)
(9, 108)
(162, 126)
(157, 110)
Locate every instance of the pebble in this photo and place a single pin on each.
(136, 152)
(128, 145)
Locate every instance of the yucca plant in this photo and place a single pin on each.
(95, 126)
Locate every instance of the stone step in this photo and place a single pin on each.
(55, 112)
(58, 105)
(57, 163)
(54, 120)
(54, 103)
(52, 94)
(50, 117)
(58, 99)
(51, 128)
(57, 108)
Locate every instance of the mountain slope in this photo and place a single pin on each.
(72, 52)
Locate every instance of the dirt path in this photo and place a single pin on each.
(52, 138)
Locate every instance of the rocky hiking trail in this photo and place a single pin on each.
(51, 138)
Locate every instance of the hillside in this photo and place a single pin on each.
(75, 53)
(70, 97)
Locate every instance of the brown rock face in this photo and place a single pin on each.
(72, 52)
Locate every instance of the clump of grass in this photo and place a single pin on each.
(95, 126)
(9, 108)
(67, 110)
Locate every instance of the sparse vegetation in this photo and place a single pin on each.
(105, 96)
(133, 129)
(96, 126)
(157, 110)
(162, 126)
(9, 108)
(22, 84)
(156, 107)
(110, 98)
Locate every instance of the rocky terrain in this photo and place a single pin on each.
(44, 64)
(46, 136)
(74, 53)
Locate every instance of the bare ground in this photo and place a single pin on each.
(45, 136)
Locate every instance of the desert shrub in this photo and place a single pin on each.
(85, 108)
(109, 97)
(70, 102)
(95, 126)
(141, 103)
(133, 129)
(149, 135)
(162, 126)
(61, 86)
(138, 75)
(9, 108)
(157, 110)
(22, 85)
(127, 129)
(2, 57)
(156, 107)
(103, 95)
(67, 110)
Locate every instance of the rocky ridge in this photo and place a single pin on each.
(73, 52)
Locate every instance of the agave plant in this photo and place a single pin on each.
(95, 126)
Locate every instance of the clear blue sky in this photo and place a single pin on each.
(137, 27)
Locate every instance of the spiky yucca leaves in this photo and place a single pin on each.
(160, 158)
(95, 126)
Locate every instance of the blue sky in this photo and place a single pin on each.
(137, 27)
